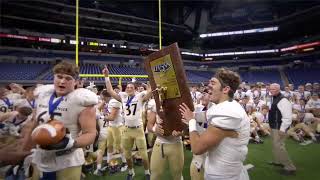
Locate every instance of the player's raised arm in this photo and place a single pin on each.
(148, 94)
(110, 90)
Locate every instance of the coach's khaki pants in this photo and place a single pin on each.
(195, 173)
(279, 151)
(73, 173)
(163, 153)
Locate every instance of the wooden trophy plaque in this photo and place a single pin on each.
(166, 72)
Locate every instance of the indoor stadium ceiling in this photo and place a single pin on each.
(183, 21)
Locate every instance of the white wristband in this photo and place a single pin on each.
(107, 79)
(192, 125)
(154, 128)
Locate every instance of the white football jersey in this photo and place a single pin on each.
(258, 106)
(246, 106)
(196, 96)
(118, 120)
(132, 111)
(152, 105)
(147, 108)
(67, 112)
(257, 93)
(263, 118)
(14, 124)
(25, 103)
(305, 95)
(287, 94)
(103, 125)
(18, 122)
(266, 96)
(198, 160)
(226, 160)
(313, 104)
(299, 108)
(6, 105)
(14, 96)
(239, 95)
(249, 93)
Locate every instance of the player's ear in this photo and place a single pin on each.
(77, 83)
(226, 89)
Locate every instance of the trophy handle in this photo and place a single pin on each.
(162, 93)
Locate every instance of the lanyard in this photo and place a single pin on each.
(7, 101)
(106, 108)
(244, 106)
(129, 100)
(53, 105)
(303, 108)
(16, 124)
(256, 104)
(32, 103)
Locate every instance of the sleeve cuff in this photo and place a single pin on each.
(192, 125)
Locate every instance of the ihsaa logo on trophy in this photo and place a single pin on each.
(162, 67)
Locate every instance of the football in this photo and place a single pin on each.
(49, 133)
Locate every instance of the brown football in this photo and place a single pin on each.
(49, 133)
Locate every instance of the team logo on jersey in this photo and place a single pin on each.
(162, 67)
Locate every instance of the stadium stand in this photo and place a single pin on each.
(13, 71)
(303, 76)
(270, 76)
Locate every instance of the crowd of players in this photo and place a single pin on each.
(127, 120)
(256, 100)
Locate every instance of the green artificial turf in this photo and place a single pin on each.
(306, 159)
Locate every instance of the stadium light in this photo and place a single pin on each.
(192, 54)
(242, 52)
(247, 31)
(73, 42)
(55, 40)
(301, 46)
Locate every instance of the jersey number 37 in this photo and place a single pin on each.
(131, 109)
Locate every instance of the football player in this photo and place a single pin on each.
(75, 108)
(132, 103)
(166, 149)
(227, 136)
